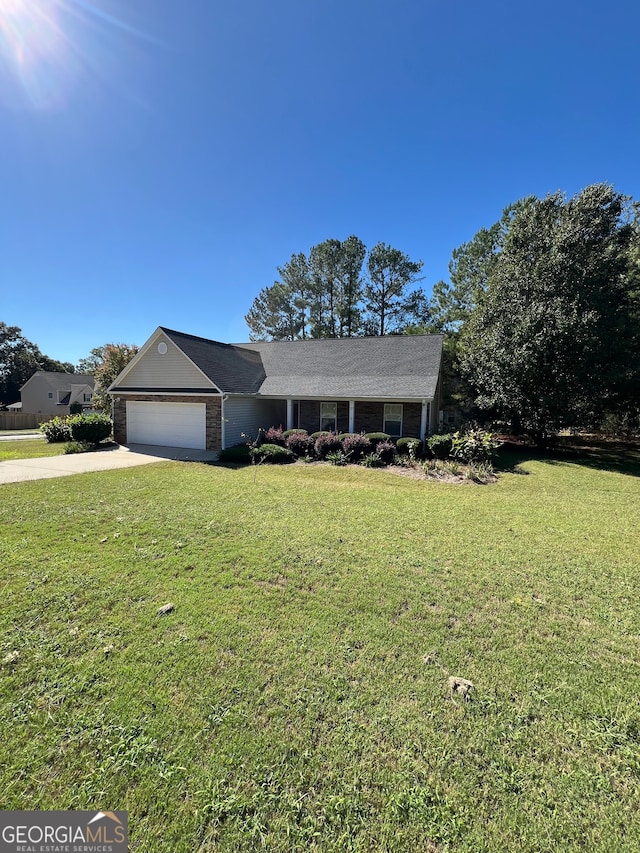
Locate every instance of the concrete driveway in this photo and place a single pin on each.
(18, 470)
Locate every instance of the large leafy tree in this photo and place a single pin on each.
(19, 360)
(549, 342)
(90, 363)
(470, 268)
(115, 357)
(453, 302)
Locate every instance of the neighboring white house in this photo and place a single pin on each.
(53, 393)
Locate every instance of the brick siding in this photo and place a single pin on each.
(368, 417)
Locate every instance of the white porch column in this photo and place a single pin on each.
(289, 414)
(352, 414)
(423, 420)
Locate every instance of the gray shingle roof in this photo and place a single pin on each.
(392, 367)
(234, 369)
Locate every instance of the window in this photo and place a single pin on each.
(392, 419)
(87, 398)
(50, 395)
(328, 416)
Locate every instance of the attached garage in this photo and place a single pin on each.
(168, 424)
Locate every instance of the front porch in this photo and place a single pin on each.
(395, 418)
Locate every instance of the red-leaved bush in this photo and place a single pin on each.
(386, 451)
(355, 446)
(300, 444)
(274, 436)
(328, 443)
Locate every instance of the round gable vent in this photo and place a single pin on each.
(162, 348)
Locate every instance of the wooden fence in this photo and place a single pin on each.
(20, 420)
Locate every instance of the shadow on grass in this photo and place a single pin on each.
(603, 455)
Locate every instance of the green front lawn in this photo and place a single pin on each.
(290, 702)
(29, 449)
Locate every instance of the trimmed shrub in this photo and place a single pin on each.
(56, 430)
(327, 443)
(440, 445)
(300, 444)
(272, 454)
(375, 437)
(75, 408)
(274, 436)
(315, 435)
(238, 454)
(386, 451)
(355, 446)
(403, 445)
(90, 428)
(474, 445)
(295, 431)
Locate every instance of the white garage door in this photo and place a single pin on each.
(169, 424)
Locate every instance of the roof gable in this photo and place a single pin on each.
(56, 381)
(235, 369)
(161, 364)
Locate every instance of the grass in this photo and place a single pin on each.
(27, 448)
(285, 704)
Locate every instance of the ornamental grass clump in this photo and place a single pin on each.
(78, 447)
(372, 460)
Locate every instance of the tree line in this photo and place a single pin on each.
(541, 314)
(338, 290)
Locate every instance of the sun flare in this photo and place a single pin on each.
(46, 46)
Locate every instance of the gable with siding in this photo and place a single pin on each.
(153, 370)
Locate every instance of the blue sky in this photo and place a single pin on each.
(161, 158)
